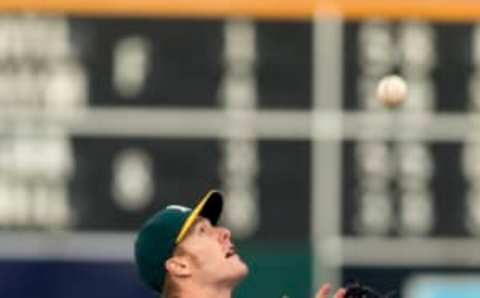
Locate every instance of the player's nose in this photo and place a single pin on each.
(224, 234)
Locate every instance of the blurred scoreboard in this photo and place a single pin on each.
(157, 111)
(113, 118)
(149, 112)
(184, 65)
(187, 68)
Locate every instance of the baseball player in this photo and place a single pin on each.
(182, 253)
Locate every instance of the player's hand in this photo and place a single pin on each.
(325, 290)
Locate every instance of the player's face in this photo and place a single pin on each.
(216, 261)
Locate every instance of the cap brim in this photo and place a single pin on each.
(210, 206)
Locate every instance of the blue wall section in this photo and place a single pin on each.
(58, 279)
(275, 271)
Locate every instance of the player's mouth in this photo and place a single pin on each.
(231, 252)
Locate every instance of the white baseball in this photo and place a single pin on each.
(392, 90)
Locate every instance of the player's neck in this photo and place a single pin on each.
(206, 293)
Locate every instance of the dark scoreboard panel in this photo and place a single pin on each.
(181, 172)
(184, 60)
(284, 67)
(187, 61)
(186, 66)
(454, 59)
(448, 187)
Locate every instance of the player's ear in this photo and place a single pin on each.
(178, 266)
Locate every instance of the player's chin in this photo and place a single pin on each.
(245, 271)
(237, 271)
(240, 273)
(243, 268)
(240, 267)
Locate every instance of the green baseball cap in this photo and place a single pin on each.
(160, 234)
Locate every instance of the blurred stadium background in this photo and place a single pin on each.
(112, 109)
